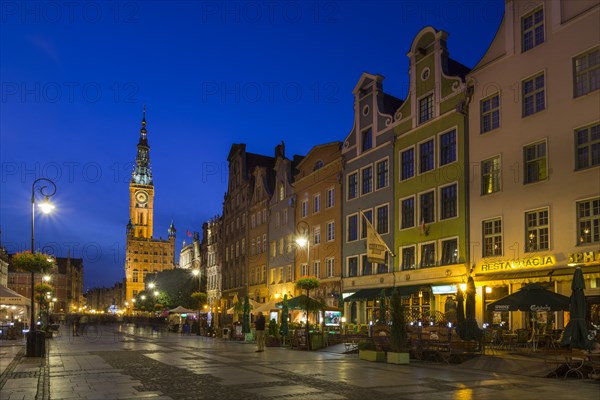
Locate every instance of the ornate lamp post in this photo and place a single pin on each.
(46, 207)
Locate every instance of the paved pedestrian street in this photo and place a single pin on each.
(128, 363)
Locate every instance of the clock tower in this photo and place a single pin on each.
(144, 254)
(141, 189)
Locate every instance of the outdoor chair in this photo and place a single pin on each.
(523, 338)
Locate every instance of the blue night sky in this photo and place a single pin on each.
(75, 76)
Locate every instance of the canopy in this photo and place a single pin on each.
(375, 293)
(253, 306)
(532, 297)
(181, 310)
(11, 298)
(268, 306)
(299, 303)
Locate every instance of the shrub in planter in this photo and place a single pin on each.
(366, 351)
(272, 338)
(398, 336)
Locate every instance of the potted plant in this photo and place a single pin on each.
(272, 339)
(399, 353)
(367, 351)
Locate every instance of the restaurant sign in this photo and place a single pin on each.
(584, 257)
(531, 262)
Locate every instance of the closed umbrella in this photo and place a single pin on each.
(284, 329)
(246, 316)
(576, 333)
(460, 314)
(471, 330)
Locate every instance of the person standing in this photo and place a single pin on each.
(259, 324)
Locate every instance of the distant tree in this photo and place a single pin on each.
(307, 284)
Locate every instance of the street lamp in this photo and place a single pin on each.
(46, 207)
(303, 241)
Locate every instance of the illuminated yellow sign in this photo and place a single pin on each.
(584, 258)
(532, 262)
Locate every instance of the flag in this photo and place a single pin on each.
(188, 233)
(376, 247)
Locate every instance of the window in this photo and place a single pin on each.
(330, 267)
(281, 191)
(449, 251)
(316, 235)
(330, 231)
(317, 269)
(280, 275)
(243, 247)
(588, 220)
(367, 266)
(263, 274)
(273, 249)
(448, 147)
(258, 219)
(304, 209)
(428, 255)
(289, 276)
(353, 266)
(136, 276)
(408, 258)
(490, 175)
(318, 165)
(264, 242)
(382, 220)
(532, 29)
(330, 198)
(586, 69)
(367, 215)
(367, 180)
(448, 198)
(252, 247)
(407, 164)
(534, 95)
(535, 162)
(352, 186)
(490, 113)
(492, 237)
(408, 213)
(426, 158)
(277, 219)
(272, 275)
(281, 245)
(316, 203)
(587, 147)
(536, 230)
(425, 109)
(382, 174)
(367, 139)
(352, 228)
(304, 270)
(427, 206)
(252, 222)
(285, 216)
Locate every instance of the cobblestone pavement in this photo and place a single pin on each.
(108, 363)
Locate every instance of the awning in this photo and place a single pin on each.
(533, 276)
(10, 297)
(375, 293)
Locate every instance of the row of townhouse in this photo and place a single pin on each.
(491, 172)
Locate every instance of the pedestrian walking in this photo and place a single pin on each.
(259, 324)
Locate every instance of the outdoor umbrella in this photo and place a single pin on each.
(460, 314)
(284, 329)
(531, 297)
(299, 303)
(471, 329)
(576, 332)
(246, 317)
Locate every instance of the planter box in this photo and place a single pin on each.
(371, 355)
(398, 358)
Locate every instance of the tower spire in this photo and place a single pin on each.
(142, 173)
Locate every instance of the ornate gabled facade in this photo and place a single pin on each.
(368, 193)
(282, 227)
(431, 236)
(236, 208)
(214, 265)
(262, 179)
(317, 186)
(144, 255)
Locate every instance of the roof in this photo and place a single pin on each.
(457, 69)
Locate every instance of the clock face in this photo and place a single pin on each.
(141, 197)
